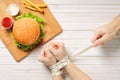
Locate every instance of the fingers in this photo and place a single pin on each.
(101, 40)
(46, 57)
(45, 54)
(95, 37)
(57, 44)
(48, 52)
(42, 55)
(54, 45)
(52, 49)
(97, 34)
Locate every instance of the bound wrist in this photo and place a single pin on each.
(56, 69)
(57, 73)
(59, 65)
(68, 65)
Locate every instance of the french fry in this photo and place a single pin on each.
(31, 8)
(25, 3)
(35, 6)
(42, 5)
(39, 5)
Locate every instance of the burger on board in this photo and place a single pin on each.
(27, 31)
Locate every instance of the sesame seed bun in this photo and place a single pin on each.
(26, 31)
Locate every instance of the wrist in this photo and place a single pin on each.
(116, 22)
(59, 77)
(56, 69)
(68, 65)
(59, 65)
(57, 73)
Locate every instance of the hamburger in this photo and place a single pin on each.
(27, 31)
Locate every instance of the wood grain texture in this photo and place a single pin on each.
(51, 27)
(101, 63)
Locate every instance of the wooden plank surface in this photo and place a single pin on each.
(101, 63)
(51, 27)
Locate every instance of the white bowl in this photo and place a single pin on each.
(13, 9)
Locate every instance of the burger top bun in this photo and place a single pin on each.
(26, 31)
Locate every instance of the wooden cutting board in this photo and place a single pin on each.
(51, 27)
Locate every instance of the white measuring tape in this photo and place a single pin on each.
(80, 52)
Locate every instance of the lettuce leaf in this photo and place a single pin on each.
(40, 22)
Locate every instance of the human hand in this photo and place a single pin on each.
(58, 50)
(46, 57)
(104, 33)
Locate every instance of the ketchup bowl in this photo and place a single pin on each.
(6, 23)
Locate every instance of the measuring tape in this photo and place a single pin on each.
(80, 52)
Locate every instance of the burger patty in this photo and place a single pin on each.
(26, 31)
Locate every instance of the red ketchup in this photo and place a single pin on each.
(6, 23)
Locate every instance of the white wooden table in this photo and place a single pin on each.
(78, 18)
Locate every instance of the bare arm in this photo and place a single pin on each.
(60, 77)
(75, 73)
(106, 32)
(116, 21)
